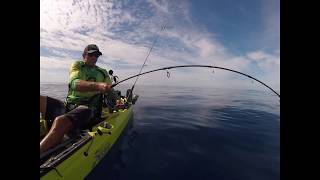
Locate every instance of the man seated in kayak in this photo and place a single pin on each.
(83, 103)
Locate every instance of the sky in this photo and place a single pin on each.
(243, 35)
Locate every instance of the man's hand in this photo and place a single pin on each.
(104, 87)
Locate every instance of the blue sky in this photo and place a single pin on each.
(240, 34)
(240, 25)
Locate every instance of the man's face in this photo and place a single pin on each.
(92, 58)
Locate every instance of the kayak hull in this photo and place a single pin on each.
(90, 150)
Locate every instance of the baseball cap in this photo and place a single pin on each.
(91, 48)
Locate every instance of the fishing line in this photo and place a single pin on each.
(143, 65)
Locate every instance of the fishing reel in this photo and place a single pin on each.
(110, 100)
(114, 101)
(130, 97)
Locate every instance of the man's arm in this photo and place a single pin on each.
(78, 84)
(85, 86)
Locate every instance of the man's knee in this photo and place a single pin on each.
(62, 122)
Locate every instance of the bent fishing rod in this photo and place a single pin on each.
(201, 66)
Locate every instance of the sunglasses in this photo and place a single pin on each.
(94, 54)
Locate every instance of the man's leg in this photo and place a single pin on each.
(77, 118)
(61, 126)
(52, 110)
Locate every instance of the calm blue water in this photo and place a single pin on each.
(195, 133)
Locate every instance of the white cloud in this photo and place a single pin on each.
(258, 55)
(54, 69)
(161, 6)
(264, 60)
(54, 63)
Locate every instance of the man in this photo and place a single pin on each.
(83, 103)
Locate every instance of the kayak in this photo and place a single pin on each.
(79, 154)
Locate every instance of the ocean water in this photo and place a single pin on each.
(194, 133)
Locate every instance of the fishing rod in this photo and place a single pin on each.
(154, 42)
(202, 66)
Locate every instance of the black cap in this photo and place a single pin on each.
(91, 48)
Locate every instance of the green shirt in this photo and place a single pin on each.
(80, 71)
